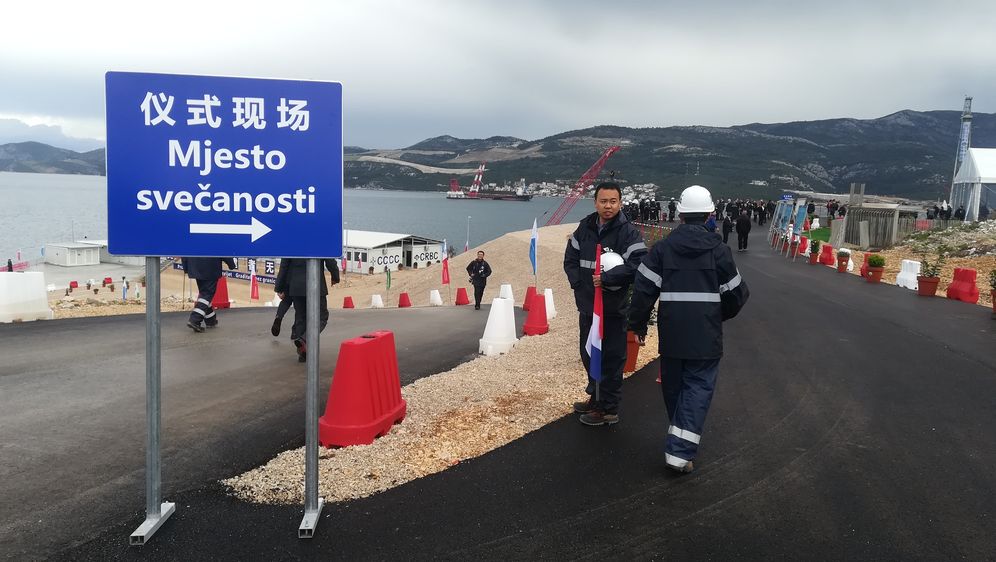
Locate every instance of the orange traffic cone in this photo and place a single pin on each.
(462, 296)
(536, 323)
(220, 299)
(530, 293)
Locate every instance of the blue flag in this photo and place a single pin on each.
(532, 246)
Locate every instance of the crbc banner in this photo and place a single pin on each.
(216, 166)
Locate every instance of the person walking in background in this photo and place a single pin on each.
(727, 228)
(292, 285)
(124, 288)
(479, 271)
(286, 303)
(206, 272)
(618, 237)
(694, 280)
(743, 229)
(10, 265)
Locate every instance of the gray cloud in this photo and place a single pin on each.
(418, 69)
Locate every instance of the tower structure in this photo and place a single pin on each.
(961, 193)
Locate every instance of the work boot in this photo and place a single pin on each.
(302, 350)
(195, 327)
(599, 416)
(689, 466)
(211, 324)
(586, 406)
(275, 328)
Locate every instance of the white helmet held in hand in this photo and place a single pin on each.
(695, 199)
(610, 260)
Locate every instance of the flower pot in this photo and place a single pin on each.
(632, 352)
(814, 258)
(842, 265)
(927, 286)
(874, 274)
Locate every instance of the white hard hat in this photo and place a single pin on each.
(610, 260)
(696, 199)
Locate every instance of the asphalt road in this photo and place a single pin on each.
(851, 422)
(72, 407)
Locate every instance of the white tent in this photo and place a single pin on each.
(978, 168)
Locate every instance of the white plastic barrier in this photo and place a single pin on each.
(376, 301)
(908, 273)
(499, 334)
(815, 224)
(551, 310)
(506, 292)
(23, 297)
(434, 298)
(850, 265)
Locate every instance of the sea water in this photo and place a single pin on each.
(36, 209)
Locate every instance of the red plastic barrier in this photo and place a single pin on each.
(365, 398)
(806, 225)
(530, 293)
(536, 323)
(74, 285)
(827, 257)
(404, 301)
(220, 299)
(864, 266)
(963, 286)
(347, 302)
(107, 281)
(803, 244)
(461, 297)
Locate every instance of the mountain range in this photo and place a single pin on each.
(907, 154)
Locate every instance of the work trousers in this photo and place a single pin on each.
(299, 330)
(742, 241)
(726, 237)
(688, 386)
(203, 312)
(479, 293)
(613, 359)
(284, 306)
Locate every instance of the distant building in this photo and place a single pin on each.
(364, 249)
(71, 254)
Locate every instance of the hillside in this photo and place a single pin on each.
(908, 154)
(38, 157)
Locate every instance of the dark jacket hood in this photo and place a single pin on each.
(693, 239)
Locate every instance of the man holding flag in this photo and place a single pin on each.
(600, 261)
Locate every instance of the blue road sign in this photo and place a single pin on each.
(215, 166)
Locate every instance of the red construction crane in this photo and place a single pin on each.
(580, 187)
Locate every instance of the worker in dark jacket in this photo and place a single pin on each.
(292, 283)
(479, 271)
(692, 276)
(610, 228)
(206, 271)
(743, 229)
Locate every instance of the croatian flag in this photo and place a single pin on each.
(446, 264)
(532, 246)
(594, 344)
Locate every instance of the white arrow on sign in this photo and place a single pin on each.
(257, 229)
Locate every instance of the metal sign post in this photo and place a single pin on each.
(312, 503)
(156, 513)
(205, 166)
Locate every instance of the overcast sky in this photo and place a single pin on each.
(420, 68)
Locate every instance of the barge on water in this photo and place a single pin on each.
(475, 191)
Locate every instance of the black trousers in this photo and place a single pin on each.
(284, 306)
(726, 237)
(203, 312)
(299, 330)
(613, 359)
(741, 241)
(479, 293)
